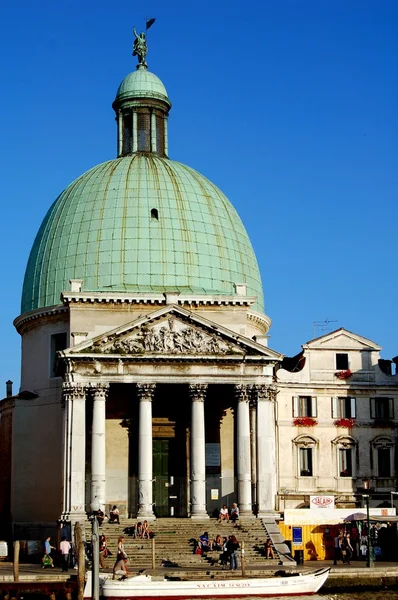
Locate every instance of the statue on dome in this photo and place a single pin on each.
(140, 48)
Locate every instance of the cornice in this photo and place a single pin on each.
(261, 321)
(38, 313)
(69, 297)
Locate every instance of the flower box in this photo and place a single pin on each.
(344, 374)
(344, 422)
(304, 422)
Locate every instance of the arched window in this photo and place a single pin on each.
(346, 456)
(382, 455)
(155, 214)
(306, 456)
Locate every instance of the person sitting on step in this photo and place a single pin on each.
(269, 551)
(224, 514)
(114, 515)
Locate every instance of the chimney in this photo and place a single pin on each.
(9, 388)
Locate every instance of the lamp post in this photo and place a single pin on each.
(366, 497)
(95, 506)
(392, 498)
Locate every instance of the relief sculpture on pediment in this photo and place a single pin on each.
(171, 337)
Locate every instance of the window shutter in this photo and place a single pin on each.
(295, 406)
(353, 408)
(373, 408)
(313, 407)
(335, 408)
(391, 408)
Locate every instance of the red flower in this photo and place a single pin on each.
(344, 374)
(343, 422)
(304, 422)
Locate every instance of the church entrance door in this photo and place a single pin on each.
(161, 481)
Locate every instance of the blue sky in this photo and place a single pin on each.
(288, 106)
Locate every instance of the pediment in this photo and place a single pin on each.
(172, 331)
(342, 339)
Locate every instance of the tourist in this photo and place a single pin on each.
(47, 558)
(65, 548)
(234, 512)
(269, 551)
(346, 549)
(223, 514)
(119, 567)
(103, 551)
(114, 515)
(337, 547)
(138, 530)
(217, 543)
(145, 530)
(232, 549)
(205, 543)
(224, 555)
(100, 516)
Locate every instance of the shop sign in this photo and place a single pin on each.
(321, 501)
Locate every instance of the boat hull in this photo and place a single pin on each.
(144, 587)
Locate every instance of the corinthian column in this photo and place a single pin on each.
(266, 453)
(197, 393)
(99, 394)
(145, 392)
(243, 449)
(74, 451)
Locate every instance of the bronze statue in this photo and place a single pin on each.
(140, 48)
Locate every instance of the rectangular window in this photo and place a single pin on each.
(306, 462)
(382, 408)
(342, 362)
(304, 406)
(343, 408)
(384, 462)
(58, 342)
(345, 462)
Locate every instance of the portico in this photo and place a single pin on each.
(178, 378)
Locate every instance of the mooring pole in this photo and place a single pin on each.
(153, 553)
(16, 561)
(243, 559)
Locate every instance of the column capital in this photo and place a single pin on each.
(242, 392)
(145, 391)
(73, 391)
(264, 392)
(197, 391)
(99, 391)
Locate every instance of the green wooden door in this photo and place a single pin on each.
(161, 477)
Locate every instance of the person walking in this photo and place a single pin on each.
(119, 568)
(346, 549)
(47, 558)
(337, 547)
(65, 549)
(232, 549)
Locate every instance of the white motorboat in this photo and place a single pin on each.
(146, 586)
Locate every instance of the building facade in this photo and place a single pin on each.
(146, 378)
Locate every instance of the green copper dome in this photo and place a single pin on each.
(140, 223)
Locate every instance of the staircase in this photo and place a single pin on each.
(175, 543)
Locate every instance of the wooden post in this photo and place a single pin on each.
(81, 571)
(16, 561)
(81, 566)
(242, 545)
(153, 553)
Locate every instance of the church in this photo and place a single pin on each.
(147, 381)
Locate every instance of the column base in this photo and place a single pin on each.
(272, 515)
(199, 517)
(146, 515)
(247, 514)
(74, 517)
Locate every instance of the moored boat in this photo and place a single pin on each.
(146, 586)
